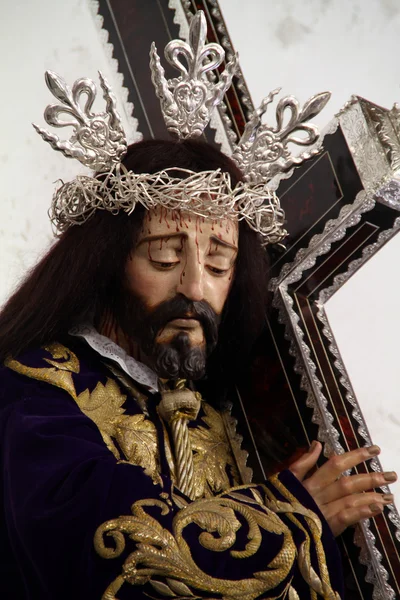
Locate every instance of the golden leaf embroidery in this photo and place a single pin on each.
(103, 405)
(163, 588)
(212, 455)
(135, 434)
(179, 588)
(293, 595)
(137, 438)
(235, 441)
(63, 358)
(59, 374)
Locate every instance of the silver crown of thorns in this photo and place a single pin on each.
(99, 142)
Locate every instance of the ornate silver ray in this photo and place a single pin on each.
(98, 140)
(263, 150)
(188, 100)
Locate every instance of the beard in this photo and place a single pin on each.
(177, 358)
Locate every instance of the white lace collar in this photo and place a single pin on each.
(108, 349)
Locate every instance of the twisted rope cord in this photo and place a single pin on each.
(183, 455)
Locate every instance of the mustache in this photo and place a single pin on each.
(180, 307)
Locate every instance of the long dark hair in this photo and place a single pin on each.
(81, 272)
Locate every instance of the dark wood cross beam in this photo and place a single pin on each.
(132, 27)
(275, 400)
(279, 399)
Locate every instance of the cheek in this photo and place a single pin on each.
(145, 283)
(218, 293)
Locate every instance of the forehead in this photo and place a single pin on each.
(163, 222)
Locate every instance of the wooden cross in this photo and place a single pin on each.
(340, 206)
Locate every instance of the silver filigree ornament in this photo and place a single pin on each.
(188, 100)
(263, 150)
(98, 141)
(207, 194)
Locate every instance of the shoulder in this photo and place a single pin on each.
(68, 366)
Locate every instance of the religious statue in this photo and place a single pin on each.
(123, 472)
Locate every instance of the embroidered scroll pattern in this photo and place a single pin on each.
(163, 558)
(319, 585)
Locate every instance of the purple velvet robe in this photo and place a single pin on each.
(61, 482)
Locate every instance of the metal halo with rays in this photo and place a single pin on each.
(99, 142)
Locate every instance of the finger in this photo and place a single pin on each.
(307, 461)
(354, 501)
(352, 484)
(353, 513)
(339, 463)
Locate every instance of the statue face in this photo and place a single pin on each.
(180, 273)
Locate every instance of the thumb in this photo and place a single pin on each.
(307, 461)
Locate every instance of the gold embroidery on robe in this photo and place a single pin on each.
(212, 455)
(64, 363)
(320, 585)
(166, 556)
(135, 435)
(137, 438)
(235, 441)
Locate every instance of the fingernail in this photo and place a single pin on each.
(373, 450)
(376, 508)
(390, 476)
(388, 497)
(312, 447)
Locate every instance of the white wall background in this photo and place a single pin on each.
(309, 46)
(305, 46)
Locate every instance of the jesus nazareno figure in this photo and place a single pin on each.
(122, 472)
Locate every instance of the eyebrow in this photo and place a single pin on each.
(213, 238)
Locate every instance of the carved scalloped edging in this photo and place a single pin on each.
(319, 245)
(324, 296)
(133, 135)
(180, 18)
(354, 265)
(226, 44)
(360, 204)
(376, 573)
(298, 348)
(362, 429)
(301, 353)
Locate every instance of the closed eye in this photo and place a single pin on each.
(164, 266)
(217, 271)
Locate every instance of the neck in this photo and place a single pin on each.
(108, 326)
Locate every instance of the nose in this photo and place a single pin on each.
(191, 281)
